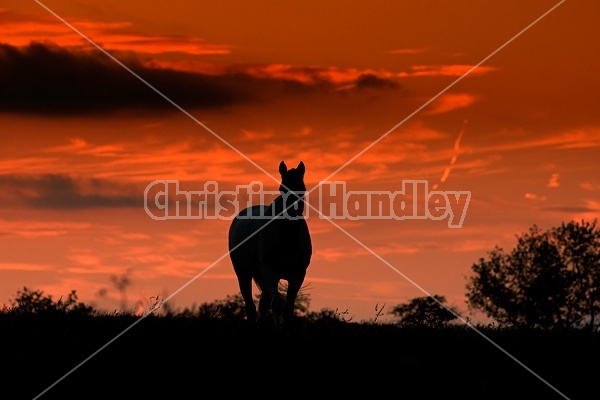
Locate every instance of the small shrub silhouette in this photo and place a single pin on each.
(423, 311)
(232, 307)
(30, 301)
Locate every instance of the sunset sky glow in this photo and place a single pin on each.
(262, 82)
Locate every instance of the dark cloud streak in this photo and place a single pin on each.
(570, 209)
(60, 191)
(47, 79)
(374, 82)
(43, 78)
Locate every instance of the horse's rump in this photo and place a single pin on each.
(242, 242)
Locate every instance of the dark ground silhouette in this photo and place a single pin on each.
(189, 357)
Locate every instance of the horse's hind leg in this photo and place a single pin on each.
(293, 288)
(269, 309)
(264, 303)
(245, 283)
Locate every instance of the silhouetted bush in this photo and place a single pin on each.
(424, 311)
(232, 307)
(30, 301)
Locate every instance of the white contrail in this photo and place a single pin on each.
(454, 156)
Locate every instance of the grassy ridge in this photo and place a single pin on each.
(188, 357)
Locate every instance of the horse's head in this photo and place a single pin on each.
(292, 189)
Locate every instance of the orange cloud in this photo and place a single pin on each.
(24, 267)
(85, 258)
(336, 254)
(406, 51)
(450, 102)
(340, 75)
(159, 44)
(579, 139)
(81, 147)
(533, 196)
(445, 70)
(33, 229)
(21, 33)
(17, 31)
(396, 248)
(28, 164)
(479, 245)
(590, 186)
(309, 75)
(553, 183)
(591, 212)
(572, 139)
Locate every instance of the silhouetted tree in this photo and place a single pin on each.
(551, 279)
(424, 311)
(30, 301)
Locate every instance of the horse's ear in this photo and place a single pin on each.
(282, 168)
(301, 168)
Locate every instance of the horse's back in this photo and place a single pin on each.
(285, 245)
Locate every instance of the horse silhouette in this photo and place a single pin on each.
(269, 243)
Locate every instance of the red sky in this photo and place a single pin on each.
(314, 81)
